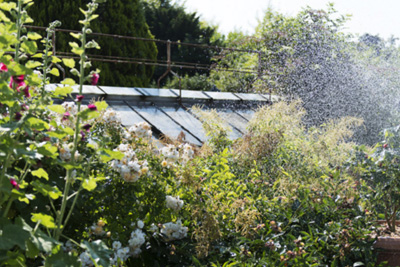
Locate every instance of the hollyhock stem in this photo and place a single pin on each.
(19, 26)
(76, 135)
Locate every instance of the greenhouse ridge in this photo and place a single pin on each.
(168, 111)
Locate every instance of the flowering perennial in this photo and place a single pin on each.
(174, 203)
(139, 130)
(174, 231)
(129, 166)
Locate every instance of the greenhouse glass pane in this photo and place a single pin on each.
(128, 116)
(222, 96)
(118, 91)
(165, 124)
(187, 120)
(250, 97)
(233, 119)
(191, 94)
(87, 89)
(246, 113)
(156, 92)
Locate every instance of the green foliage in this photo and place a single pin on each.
(170, 21)
(121, 17)
(78, 189)
(379, 171)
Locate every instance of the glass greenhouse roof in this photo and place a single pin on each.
(170, 115)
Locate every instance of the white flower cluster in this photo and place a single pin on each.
(174, 231)
(137, 239)
(97, 229)
(70, 107)
(85, 259)
(174, 203)
(129, 166)
(111, 117)
(66, 152)
(139, 130)
(173, 154)
(187, 153)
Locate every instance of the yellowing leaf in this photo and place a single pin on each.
(57, 108)
(69, 62)
(68, 81)
(34, 36)
(54, 72)
(40, 173)
(44, 219)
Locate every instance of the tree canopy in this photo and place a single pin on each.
(169, 21)
(121, 17)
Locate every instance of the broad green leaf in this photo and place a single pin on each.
(55, 72)
(40, 173)
(101, 105)
(78, 50)
(98, 251)
(34, 36)
(63, 91)
(57, 108)
(55, 59)
(46, 190)
(69, 62)
(29, 47)
(69, 131)
(38, 55)
(62, 259)
(12, 235)
(73, 45)
(106, 155)
(89, 184)
(48, 150)
(68, 81)
(31, 250)
(76, 35)
(33, 64)
(44, 219)
(7, 6)
(37, 124)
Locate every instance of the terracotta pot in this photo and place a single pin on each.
(391, 250)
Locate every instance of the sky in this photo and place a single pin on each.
(377, 17)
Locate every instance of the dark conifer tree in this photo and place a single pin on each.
(121, 17)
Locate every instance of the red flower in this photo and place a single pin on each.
(14, 183)
(66, 116)
(385, 145)
(18, 81)
(3, 67)
(18, 116)
(92, 107)
(79, 98)
(87, 127)
(95, 78)
(26, 92)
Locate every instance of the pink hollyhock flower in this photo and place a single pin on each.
(14, 183)
(83, 135)
(18, 81)
(26, 92)
(66, 116)
(18, 116)
(79, 98)
(24, 107)
(95, 78)
(92, 107)
(87, 127)
(3, 67)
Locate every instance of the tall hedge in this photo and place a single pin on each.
(121, 17)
